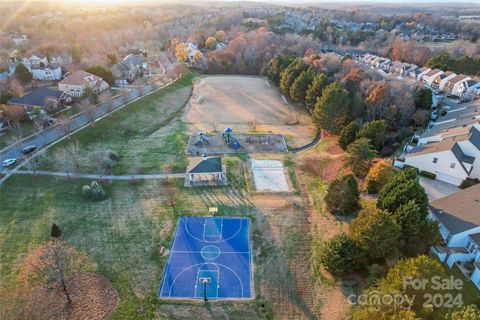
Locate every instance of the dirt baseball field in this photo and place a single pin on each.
(246, 104)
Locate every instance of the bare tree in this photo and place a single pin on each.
(54, 264)
(253, 125)
(65, 160)
(125, 96)
(66, 125)
(13, 114)
(105, 99)
(39, 124)
(72, 149)
(89, 110)
(34, 163)
(141, 89)
(17, 134)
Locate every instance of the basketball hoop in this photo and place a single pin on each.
(205, 281)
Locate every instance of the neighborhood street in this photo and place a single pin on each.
(50, 135)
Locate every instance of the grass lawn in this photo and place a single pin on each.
(121, 234)
(147, 134)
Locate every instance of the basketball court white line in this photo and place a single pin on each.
(197, 282)
(208, 251)
(220, 240)
(168, 264)
(221, 229)
(218, 270)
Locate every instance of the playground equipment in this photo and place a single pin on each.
(201, 140)
(229, 139)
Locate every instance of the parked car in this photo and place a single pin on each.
(9, 162)
(29, 149)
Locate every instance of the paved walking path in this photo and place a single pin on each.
(153, 176)
(308, 146)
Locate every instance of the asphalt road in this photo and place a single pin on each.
(56, 132)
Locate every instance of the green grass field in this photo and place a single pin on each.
(147, 134)
(121, 234)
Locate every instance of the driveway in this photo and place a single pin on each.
(437, 189)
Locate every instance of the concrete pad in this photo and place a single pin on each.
(437, 189)
(269, 175)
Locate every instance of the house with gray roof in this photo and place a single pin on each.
(132, 66)
(451, 156)
(467, 89)
(206, 171)
(458, 217)
(45, 98)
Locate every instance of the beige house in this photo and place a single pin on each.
(206, 171)
(76, 82)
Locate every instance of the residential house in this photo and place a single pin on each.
(47, 99)
(123, 74)
(76, 83)
(464, 114)
(132, 66)
(410, 71)
(396, 67)
(442, 79)
(51, 71)
(458, 216)
(193, 52)
(18, 39)
(467, 90)
(401, 68)
(451, 87)
(61, 59)
(430, 76)
(220, 46)
(206, 171)
(418, 73)
(36, 59)
(452, 159)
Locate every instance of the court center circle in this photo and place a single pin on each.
(210, 252)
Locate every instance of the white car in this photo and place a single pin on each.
(9, 162)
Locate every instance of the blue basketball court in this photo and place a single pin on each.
(209, 256)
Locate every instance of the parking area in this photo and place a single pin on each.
(437, 189)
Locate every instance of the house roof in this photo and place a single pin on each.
(475, 238)
(471, 83)
(458, 78)
(433, 72)
(38, 55)
(205, 165)
(462, 157)
(37, 97)
(51, 66)
(444, 145)
(134, 59)
(459, 116)
(77, 78)
(459, 211)
(474, 137)
(421, 70)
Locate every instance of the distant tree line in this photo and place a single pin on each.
(463, 64)
(369, 116)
